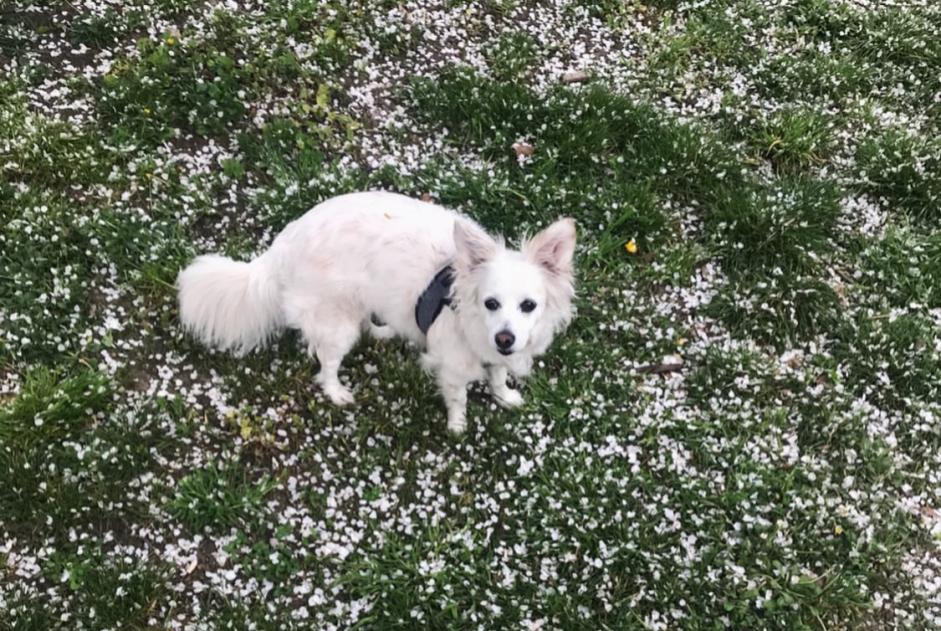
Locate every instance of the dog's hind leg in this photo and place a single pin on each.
(330, 337)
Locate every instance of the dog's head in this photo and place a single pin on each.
(513, 302)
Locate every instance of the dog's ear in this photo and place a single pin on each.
(474, 246)
(554, 247)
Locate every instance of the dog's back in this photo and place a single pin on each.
(346, 259)
(364, 253)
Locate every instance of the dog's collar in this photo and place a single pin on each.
(434, 298)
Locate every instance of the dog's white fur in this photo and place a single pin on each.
(373, 254)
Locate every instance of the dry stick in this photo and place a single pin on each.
(659, 369)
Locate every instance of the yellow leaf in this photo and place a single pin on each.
(323, 95)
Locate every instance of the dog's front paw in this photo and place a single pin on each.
(457, 423)
(508, 398)
(339, 395)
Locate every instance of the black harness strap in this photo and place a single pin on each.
(434, 298)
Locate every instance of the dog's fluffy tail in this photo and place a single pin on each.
(228, 304)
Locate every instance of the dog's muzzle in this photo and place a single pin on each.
(504, 340)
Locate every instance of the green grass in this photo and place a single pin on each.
(109, 594)
(907, 264)
(904, 172)
(792, 141)
(776, 244)
(46, 414)
(218, 496)
(174, 86)
(787, 227)
(511, 56)
(774, 168)
(66, 451)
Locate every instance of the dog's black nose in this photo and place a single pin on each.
(504, 340)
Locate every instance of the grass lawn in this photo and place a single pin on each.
(774, 167)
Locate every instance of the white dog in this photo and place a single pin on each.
(427, 273)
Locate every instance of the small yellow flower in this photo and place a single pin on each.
(147, 111)
(631, 247)
(838, 530)
(170, 40)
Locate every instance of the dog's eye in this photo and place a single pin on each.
(527, 305)
(492, 304)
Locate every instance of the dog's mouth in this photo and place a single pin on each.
(504, 351)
